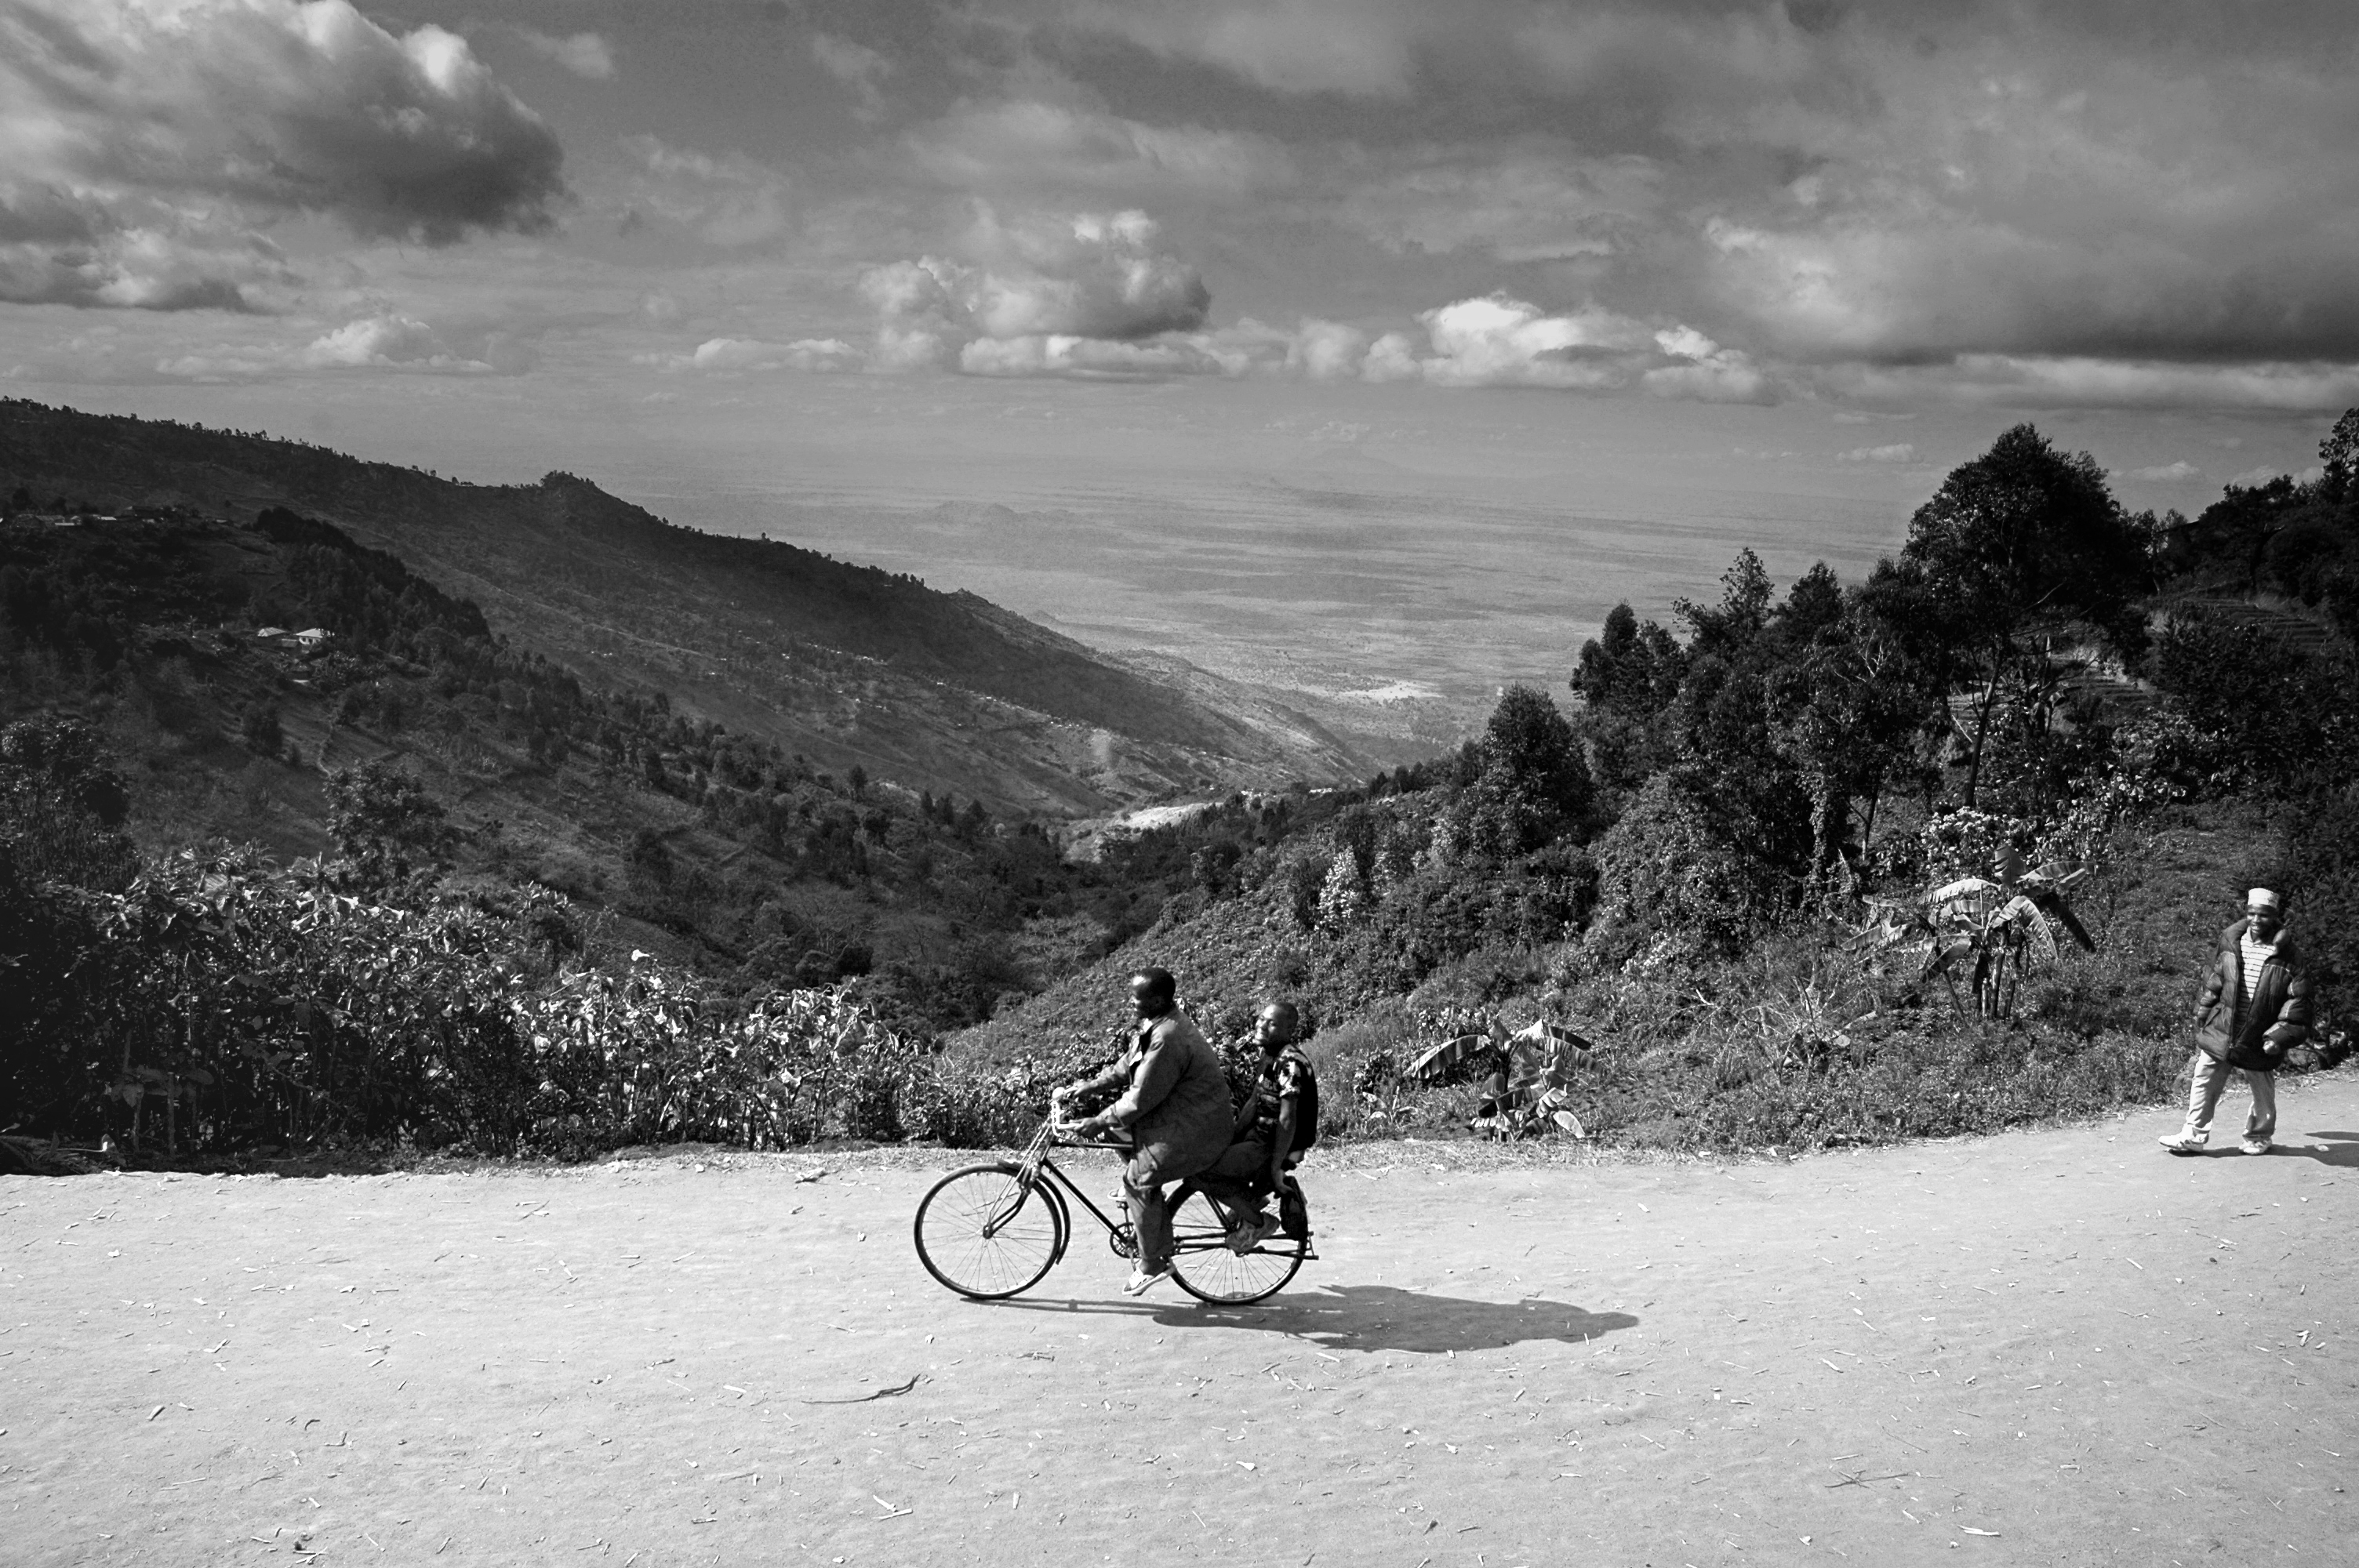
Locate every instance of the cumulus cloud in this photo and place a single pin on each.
(146, 141)
(726, 354)
(1895, 453)
(385, 342)
(1496, 340)
(133, 252)
(2180, 472)
(1392, 357)
(857, 67)
(1092, 297)
(1701, 369)
(1064, 354)
(1327, 350)
(586, 55)
(1089, 278)
(391, 341)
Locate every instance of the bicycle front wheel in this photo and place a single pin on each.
(987, 1233)
(1206, 1269)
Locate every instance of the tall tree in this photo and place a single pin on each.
(1848, 701)
(1533, 764)
(2339, 454)
(2019, 546)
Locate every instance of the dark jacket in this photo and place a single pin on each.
(1175, 1098)
(2276, 1005)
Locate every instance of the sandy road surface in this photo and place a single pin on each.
(2061, 1347)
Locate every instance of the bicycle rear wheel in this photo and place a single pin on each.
(1206, 1269)
(987, 1233)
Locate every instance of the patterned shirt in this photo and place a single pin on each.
(1281, 1079)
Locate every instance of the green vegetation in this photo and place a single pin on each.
(1801, 868)
(1798, 867)
(748, 863)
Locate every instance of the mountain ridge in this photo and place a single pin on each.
(847, 664)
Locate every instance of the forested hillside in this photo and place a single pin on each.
(845, 664)
(1930, 852)
(246, 683)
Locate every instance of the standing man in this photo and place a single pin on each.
(2253, 1009)
(1174, 1108)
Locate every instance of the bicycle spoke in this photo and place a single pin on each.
(986, 1232)
(1207, 1268)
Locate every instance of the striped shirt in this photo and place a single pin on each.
(2255, 956)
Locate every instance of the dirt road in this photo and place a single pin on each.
(2061, 1347)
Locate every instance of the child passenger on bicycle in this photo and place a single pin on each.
(1278, 1121)
(1174, 1108)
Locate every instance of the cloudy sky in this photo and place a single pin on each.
(929, 250)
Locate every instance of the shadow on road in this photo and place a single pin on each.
(2334, 1148)
(1372, 1317)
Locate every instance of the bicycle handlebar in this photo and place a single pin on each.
(1059, 1138)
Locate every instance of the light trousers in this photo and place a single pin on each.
(1150, 1214)
(2212, 1075)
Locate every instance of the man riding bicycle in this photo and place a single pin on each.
(1174, 1109)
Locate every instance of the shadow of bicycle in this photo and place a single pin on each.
(1388, 1317)
(1372, 1317)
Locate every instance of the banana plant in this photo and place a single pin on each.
(1985, 930)
(1530, 1077)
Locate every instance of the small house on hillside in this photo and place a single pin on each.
(314, 636)
(270, 631)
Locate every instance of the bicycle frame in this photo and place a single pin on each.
(1207, 1262)
(1037, 1164)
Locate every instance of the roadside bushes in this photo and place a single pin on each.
(218, 1003)
(2320, 870)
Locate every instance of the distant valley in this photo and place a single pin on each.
(847, 664)
(765, 764)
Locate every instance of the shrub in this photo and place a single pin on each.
(218, 1002)
(2320, 873)
(1669, 866)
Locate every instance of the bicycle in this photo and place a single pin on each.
(993, 1231)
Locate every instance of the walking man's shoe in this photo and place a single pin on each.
(2255, 1146)
(2182, 1143)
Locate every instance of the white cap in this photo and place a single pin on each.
(2262, 898)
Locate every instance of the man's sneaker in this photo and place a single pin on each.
(2255, 1146)
(1251, 1232)
(2182, 1143)
(1140, 1280)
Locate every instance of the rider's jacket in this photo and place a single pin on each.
(1177, 1099)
